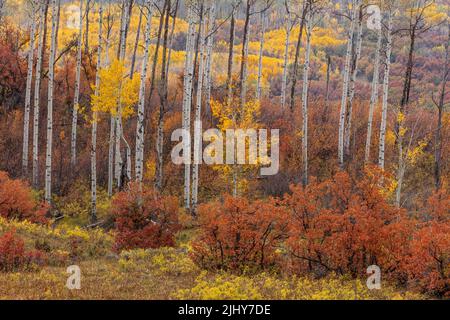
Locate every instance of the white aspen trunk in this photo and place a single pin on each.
(118, 125)
(351, 93)
(305, 96)
(345, 85)
(112, 125)
(37, 95)
(260, 61)
(139, 165)
(285, 65)
(111, 155)
(187, 99)
(373, 97)
(94, 120)
(209, 55)
(26, 115)
(244, 68)
(136, 44)
(119, 129)
(198, 119)
(384, 109)
(76, 96)
(51, 77)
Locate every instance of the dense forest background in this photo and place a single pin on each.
(91, 91)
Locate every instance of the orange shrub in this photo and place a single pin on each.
(238, 234)
(144, 219)
(345, 225)
(428, 262)
(17, 201)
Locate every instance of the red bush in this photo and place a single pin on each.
(13, 256)
(237, 234)
(17, 201)
(144, 219)
(428, 262)
(345, 225)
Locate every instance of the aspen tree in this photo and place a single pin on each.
(141, 104)
(51, 77)
(94, 120)
(37, 96)
(374, 94)
(26, 115)
(76, 96)
(384, 108)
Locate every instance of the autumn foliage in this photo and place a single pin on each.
(14, 257)
(17, 201)
(239, 234)
(144, 219)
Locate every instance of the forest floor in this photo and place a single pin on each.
(157, 274)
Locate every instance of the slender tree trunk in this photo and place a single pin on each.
(229, 83)
(139, 167)
(305, 96)
(351, 92)
(119, 129)
(187, 99)
(209, 56)
(327, 90)
(373, 97)
(345, 86)
(26, 115)
(172, 31)
(37, 96)
(260, 61)
(163, 105)
(285, 65)
(244, 57)
(76, 96)
(198, 120)
(297, 54)
(94, 120)
(441, 104)
(86, 36)
(384, 109)
(51, 76)
(136, 44)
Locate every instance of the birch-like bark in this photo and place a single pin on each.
(285, 64)
(119, 135)
(187, 100)
(172, 31)
(373, 97)
(229, 83)
(384, 109)
(345, 85)
(209, 56)
(86, 36)
(244, 57)
(139, 166)
(198, 120)
(136, 44)
(305, 96)
(163, 95)
(351, 93)
(26, 115)
(37, 96)
(260, 61)
(51, 77)
(76, 96)
(94, 120)
(297, 53)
